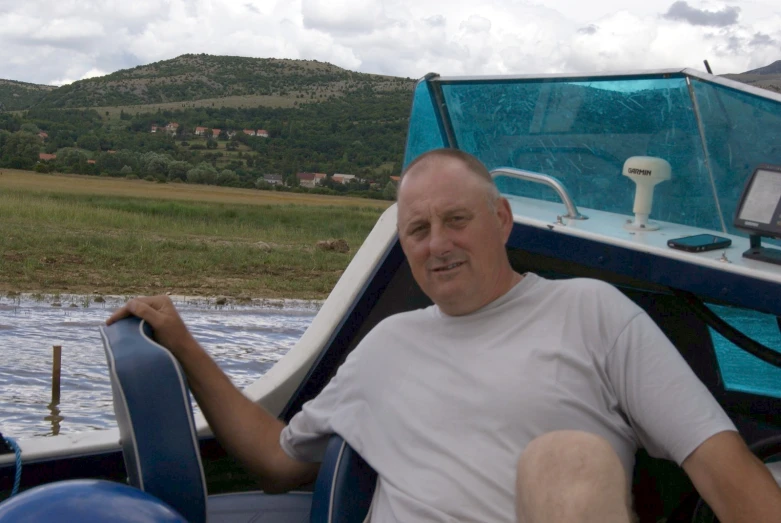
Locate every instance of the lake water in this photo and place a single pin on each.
(245, 341)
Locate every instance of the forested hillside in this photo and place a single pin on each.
(21, 95)
(243, 122)
(196, 77)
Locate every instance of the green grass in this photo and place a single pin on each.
(107, 244)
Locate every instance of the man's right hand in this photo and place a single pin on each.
(161, 314)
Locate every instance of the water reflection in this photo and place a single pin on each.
(54, 418)
(245, 340)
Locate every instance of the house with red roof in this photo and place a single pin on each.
(343, 178)
(306, 179)
(250, 132)
(262, 133)
(46, 157)
(200, 131)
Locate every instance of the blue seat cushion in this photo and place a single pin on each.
(345, 486)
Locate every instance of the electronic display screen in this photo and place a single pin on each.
(762, 198)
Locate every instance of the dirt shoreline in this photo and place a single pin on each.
(73, 300)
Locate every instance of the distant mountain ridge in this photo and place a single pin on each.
(193, 77)
(774, 68)
(767, 77)
(21, 95)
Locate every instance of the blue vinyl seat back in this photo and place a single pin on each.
(345, 486)
(155, 418)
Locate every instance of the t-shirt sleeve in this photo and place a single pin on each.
(306, 436)
(669, 408)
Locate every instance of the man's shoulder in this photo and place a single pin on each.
(406, 319)
(585, 287)
(592, 298)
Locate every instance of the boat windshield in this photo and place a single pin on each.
(713, 132)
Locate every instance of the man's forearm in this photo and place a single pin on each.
(245, 429)
(734, 482)
(755, 497)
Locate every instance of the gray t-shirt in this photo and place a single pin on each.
(442, 406)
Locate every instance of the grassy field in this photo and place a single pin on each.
(89, 235)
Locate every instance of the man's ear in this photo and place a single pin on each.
(505, 215)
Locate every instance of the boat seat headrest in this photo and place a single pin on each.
(155, 418)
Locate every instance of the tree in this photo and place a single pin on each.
(178, 170)
(30, 128)
(21, 150)
(389, 192)
(228, 178)
(72, 160)
(89, 142)
(203, 173)
(124, 171)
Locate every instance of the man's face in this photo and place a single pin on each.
(452, 236)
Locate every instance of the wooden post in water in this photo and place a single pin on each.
(56, 369)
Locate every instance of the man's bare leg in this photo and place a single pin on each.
(571, 476)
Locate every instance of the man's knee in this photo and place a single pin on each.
(568, 450)
(579, 467)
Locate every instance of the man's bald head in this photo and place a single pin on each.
(436, 157)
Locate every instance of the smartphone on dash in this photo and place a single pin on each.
(699, 243)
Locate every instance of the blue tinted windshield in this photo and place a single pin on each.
(582, 132)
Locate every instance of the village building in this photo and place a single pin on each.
(262, 133)
(172, 127)
(343, 178)
(250, 132)
(154, 129)
(46, 157)
(306, 179)
(216, 133)
(200, 131)
(273, 179)
(43, 136)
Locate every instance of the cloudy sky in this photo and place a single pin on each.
(60, 41)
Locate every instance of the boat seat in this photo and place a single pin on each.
(162, 455)
(345, 486)
(150, 393)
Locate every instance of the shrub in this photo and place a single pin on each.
(131, 176)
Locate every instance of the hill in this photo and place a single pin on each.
(774, 68)
(198, 77)
(21, 95)
(767, 77)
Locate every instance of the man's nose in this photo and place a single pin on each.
(440, 243)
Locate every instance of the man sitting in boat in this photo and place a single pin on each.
(511, 398)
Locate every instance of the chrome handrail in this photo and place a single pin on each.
(545, 179)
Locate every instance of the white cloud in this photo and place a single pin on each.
(49, 41)
(344, 16)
